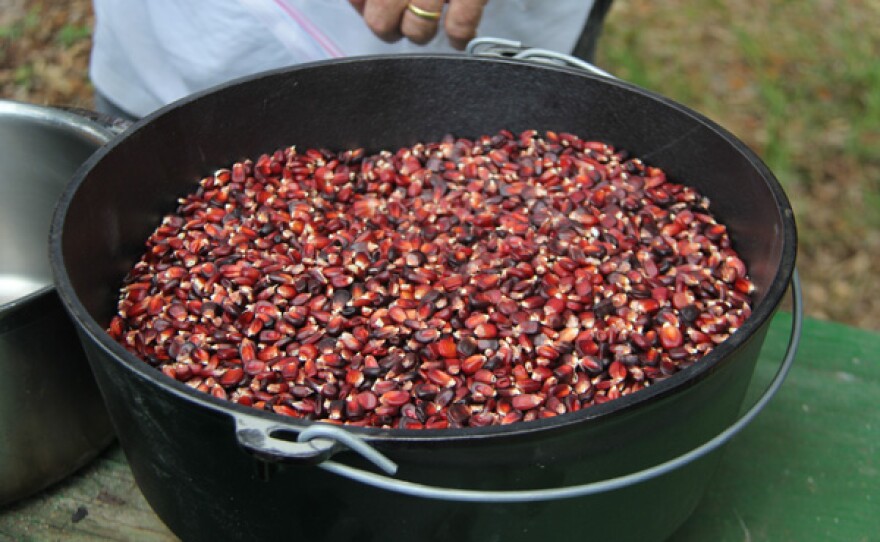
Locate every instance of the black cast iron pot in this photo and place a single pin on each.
(213, 470)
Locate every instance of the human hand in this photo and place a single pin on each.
(419, 20)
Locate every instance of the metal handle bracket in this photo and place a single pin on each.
(498, 47)
(314, 444)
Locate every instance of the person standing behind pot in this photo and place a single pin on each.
(148, 54)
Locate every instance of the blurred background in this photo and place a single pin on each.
(797, 80)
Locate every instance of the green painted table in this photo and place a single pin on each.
(806, 469)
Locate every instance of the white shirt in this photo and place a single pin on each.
(152, 52)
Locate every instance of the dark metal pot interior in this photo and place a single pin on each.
(383, 103)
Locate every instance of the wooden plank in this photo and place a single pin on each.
(101, 502)
(806, 469)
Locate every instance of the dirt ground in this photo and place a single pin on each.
(813, 119)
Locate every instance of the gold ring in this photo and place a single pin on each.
(424, 13)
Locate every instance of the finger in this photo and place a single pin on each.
(420, 23)
(462, 19)
(383, 17)
(358, 5)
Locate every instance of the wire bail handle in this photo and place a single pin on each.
(317, 443)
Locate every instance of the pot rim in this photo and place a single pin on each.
(15, 310)
(684, 378)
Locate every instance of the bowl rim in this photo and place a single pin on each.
(12, 312)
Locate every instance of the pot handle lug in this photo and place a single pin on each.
(499, 47)
(116, 125)
(261, 438)
(312, 445)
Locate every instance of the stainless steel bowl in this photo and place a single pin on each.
(52, 417)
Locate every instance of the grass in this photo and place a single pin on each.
(805, 69)
(44, 51)
(22, 75)
(19, 27)
(72, 33)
